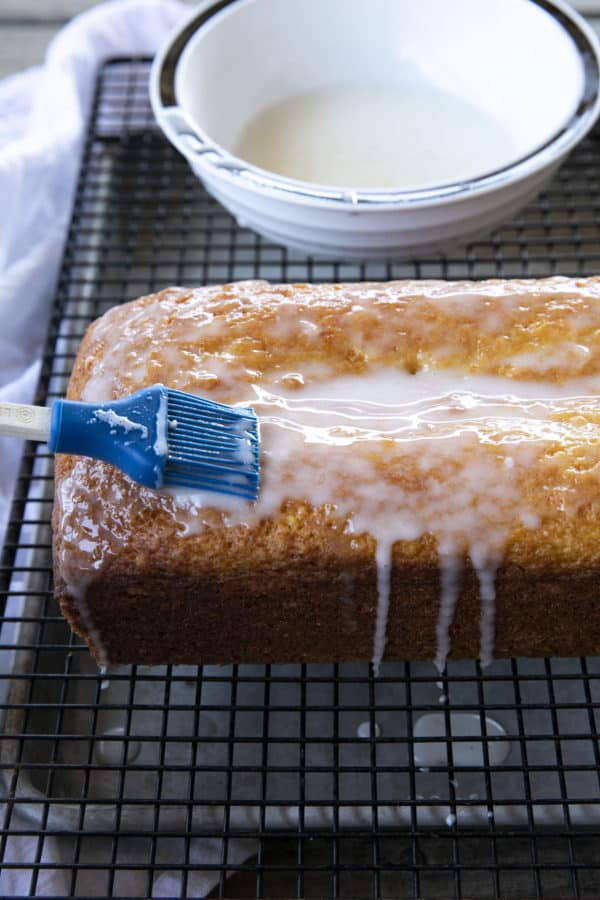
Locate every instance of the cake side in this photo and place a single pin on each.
(503, 494)
(154, 619)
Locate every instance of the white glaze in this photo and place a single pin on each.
(244, 453)
(79, 582)
(383, 561)
(430, 753)
(360, 132)
(160, 444)
(450, 570)
(116, 421)
(364, 730)
(566, 355)
(115, 748)
(486, 573)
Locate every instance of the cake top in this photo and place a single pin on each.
(465, 413)
(214, 339)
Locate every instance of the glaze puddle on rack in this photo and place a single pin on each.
(464, 753)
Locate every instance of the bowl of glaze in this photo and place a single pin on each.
(358, 130)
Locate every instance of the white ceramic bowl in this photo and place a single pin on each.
(534, 65)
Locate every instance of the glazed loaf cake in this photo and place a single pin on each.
(430, 477)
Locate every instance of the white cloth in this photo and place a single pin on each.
(43, 112)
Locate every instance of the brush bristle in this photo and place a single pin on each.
(211, 447)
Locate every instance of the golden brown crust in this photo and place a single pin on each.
(298, 586)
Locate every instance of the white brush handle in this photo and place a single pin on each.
(19, 420)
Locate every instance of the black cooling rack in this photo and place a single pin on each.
(275, 781)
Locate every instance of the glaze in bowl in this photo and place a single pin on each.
(534, 65)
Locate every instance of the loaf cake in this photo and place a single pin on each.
(430, 477)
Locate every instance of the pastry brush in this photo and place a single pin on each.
(158, 436)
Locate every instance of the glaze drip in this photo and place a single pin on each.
(486, 573)
(383, 560)
(450, 571)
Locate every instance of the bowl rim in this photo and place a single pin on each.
(212, 159)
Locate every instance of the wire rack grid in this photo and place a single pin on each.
(287, 781)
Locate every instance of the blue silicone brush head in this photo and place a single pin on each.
(166, 438)
(211, 444)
